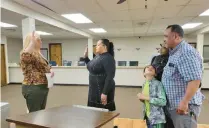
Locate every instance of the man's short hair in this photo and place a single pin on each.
(177, 29)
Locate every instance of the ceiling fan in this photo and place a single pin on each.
(121, 1)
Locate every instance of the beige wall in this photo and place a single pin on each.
(14, 47)
(73, 49)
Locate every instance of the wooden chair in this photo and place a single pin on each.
(203, 126)
(138, 123)
(123, 123)
(129, 123)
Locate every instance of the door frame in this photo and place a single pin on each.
(50, 50)
(6, 64)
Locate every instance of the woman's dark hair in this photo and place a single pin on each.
(110, 46)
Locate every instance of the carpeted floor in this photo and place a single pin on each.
(126, 100)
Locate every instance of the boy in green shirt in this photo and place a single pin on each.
(154, 99)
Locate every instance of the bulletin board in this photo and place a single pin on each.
(206, 53)
(44, 52)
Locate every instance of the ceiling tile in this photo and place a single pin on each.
(203, 19)
(140, 4)
(172, 3)
(59, 6)
(186, 31)
(124, 24)
(159, 26)
(111, 5)
(120, 15)
(139, 34)
(126, 30)
(98, 17)
(109, 31)
(192, 10)
(84, 6)
(199, 2)
(140, 14)
(141, 23)
(126, 34)
(140, 29)
(129, 18)
(154, 30)
(106, 24)
(167, 12)
(165, 22)
(115, 24)
(154, 34)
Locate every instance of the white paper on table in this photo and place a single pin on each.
(91, 108)
(50, 80)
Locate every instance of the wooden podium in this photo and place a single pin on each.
(65, 117)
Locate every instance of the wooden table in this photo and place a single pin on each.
(64, 117)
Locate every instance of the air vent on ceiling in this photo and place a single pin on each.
(36, 1)
(142, 23)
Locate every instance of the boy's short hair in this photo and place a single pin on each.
(153, 67)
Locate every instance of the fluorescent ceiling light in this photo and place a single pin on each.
(205, 13)
(43, 33)
(190, 25)
(6, 25)
(98, 30)
(77, 18)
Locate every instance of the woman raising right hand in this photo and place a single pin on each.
(101, 76)
(34, 67)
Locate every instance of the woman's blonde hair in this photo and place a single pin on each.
(28, 39)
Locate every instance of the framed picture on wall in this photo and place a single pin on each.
(193, 44)
(44, 52)
(206, 53)
(121, 63)
(134, 63)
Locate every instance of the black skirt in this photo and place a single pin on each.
(96, 85)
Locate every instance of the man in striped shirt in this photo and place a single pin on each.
(181, 79)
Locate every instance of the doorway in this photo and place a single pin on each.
(55, 52)
(3, 66)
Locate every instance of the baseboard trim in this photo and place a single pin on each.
(57, 84)
(123, 86)
(14, 83)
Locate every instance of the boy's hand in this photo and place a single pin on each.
(142, 97)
